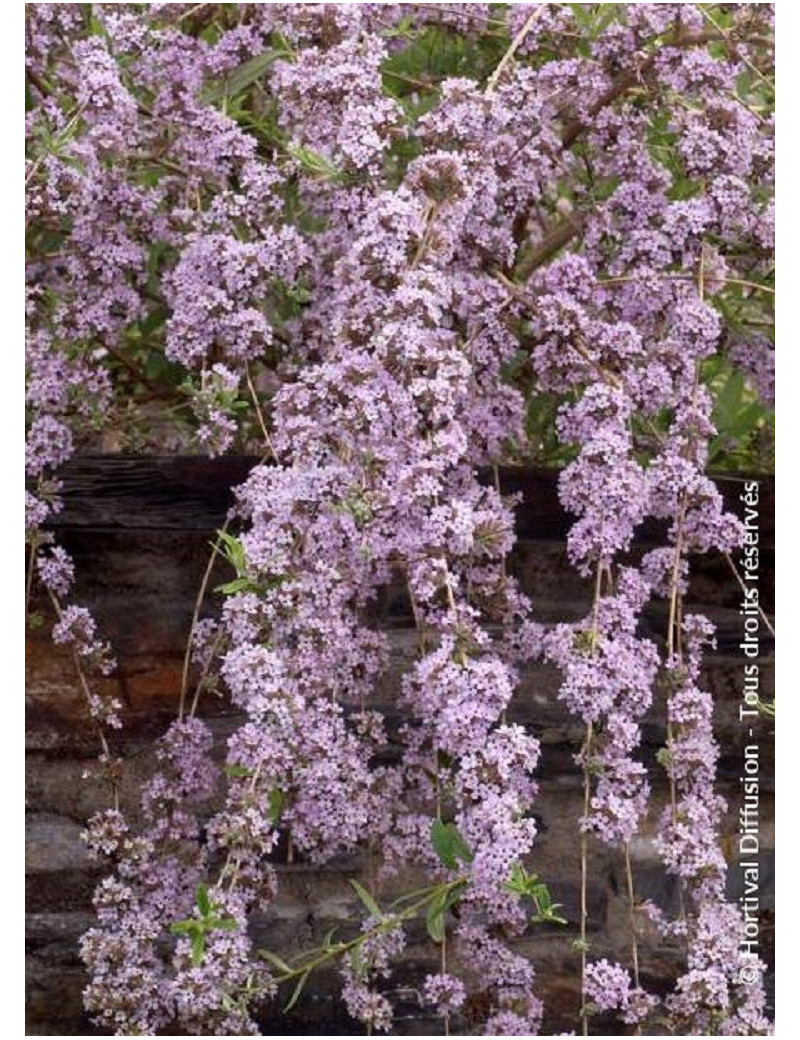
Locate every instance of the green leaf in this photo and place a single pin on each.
(728, 399)
(551, 917)
(183, 927)
(434, 921)
(542, 897)
(405, 27)
(230, 588)
(314, 162)
(275, 804)
(409, 897)
(243, 76)
(155, 366)
(746, 420)
(442, 843)
(233, 551)
(356, 958)
(527, 885)
(449, 844)
(366, 898)
(297, 991)
(518, 881)
(275, 961)
(328, 937)
(203, 900)
(154, 320)
(225, 924)
(198, 948)
(453, 894)
(237, 771)
(446, 898)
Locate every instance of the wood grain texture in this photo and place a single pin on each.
(192, 492)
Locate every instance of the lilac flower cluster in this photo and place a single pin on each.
(446, 992)
(609, 988)
(364, 1002)
(608, 677)
(372, 442)
(629, 335)
(367, 275)
(132, 991)
(711, 991)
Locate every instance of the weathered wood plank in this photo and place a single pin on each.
(188, 492)
(182, 492)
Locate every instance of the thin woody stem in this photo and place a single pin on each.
(259, 413)
(446, 1022)
(387, 923)
(34, 549)
(204, 673)
(626, 81)
(675, 277)
(231, 865)
(674, 620)
(587, 791)
(429, 217)
(516, 43)
(632, 922)
(587, 796)
(198, 605)
(87, 694)
(60, 135)
(740, 53)
(674, 585)
(552, 241)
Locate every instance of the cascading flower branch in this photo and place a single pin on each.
(388, 247)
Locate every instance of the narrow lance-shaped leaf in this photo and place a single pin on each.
(366, 898)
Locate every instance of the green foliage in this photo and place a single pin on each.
(443, 900)
(434, 54)
(745, 428)
(592, 20)
(206, 920)
(529, 886)
(449, 844)
(585, 641)
(232, 550)
(275, 803)
(244, 76)
(298, 989)
(544, 447)
(434, 902)
(366, 898)
(277, 962)
(314, 163)
(237, 771)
